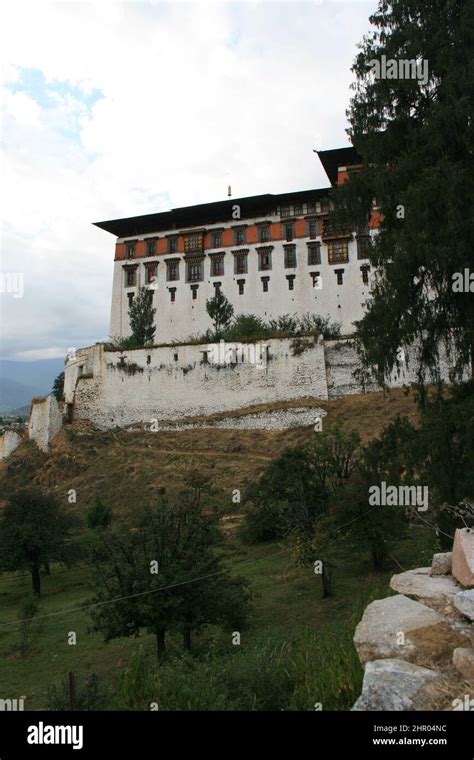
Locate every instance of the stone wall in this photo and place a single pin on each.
(9, 441)
(120, 388)
(45, 421)
(113, 388)
(417, 646)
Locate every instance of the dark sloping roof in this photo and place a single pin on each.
(206, 213)
(333, 159)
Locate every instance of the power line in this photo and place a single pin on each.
(140, 593)
(170, 586)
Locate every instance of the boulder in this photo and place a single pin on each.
(435, 591)
(463, 557)
(393, 684)
(463, 660)
(464, 602)
(399, 627)
(442, 564)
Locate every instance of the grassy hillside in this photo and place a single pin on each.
(126, 469)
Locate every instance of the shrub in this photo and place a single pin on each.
(89, 695)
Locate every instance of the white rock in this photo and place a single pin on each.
(392, 684)
(463, 556)
(398, 627)
(464, 602)
(463, 660)
(435, 591)
(441, 564)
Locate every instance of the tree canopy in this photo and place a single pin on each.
(416, 139)
(34, 531)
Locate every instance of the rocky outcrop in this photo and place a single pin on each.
(463, 557)
(436, 591)
(394, 684)
(464, 602)
(398, 627)
(463, 660)
(417, 647)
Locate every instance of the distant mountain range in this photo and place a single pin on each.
(21, 381)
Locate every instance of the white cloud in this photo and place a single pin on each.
(193, 98)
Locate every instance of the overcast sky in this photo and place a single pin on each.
(115, 109)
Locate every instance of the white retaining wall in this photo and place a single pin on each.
(45, 421)
(9, 441)
(120, 388)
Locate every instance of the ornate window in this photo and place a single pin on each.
(172, 245)
(363, 246)
(314, 254)
(193, 243)
(151, 270)
(240, 262)
(151, 247)
(217, 266)
(338, 251)
(240, 235)
(130, 276)
(290, 256)
(265, 258)
(195, 271)
(172, 270)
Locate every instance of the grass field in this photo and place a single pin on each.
(288, 605)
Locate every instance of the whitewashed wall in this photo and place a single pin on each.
(170, 383)
(9, 441)
(45, 421)
(185, 317)
(119, 388)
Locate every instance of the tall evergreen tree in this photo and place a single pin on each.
(416, 139)
(58, 387)
(220, 311)
(142, 317)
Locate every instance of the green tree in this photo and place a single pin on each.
(164, 575)
(34, 531)
(416, 139)
(360, 525)
(220, 311)
(98, 515)
(58, 387)
(296, 488)
(142, 318)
